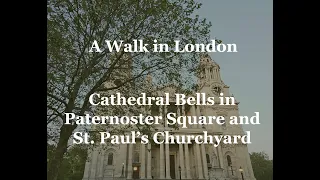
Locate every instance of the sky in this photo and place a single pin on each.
(248, 72)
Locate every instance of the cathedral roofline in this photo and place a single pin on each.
(205, 59)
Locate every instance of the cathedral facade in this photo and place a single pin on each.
(180, 161)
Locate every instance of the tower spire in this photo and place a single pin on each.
(209, 69)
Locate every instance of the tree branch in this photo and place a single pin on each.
(56, 98)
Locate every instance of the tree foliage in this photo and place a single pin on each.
(73, 73)
(73, 163)
(262, 166)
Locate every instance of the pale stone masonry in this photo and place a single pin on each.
(170, 161)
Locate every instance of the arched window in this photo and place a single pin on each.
(230, 164)
(208, 158)
(229, 160)
(110, 158)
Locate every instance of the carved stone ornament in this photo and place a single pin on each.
(227, 145)
(216, 88)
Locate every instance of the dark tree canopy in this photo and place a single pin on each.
(262, 166)
(73, 73)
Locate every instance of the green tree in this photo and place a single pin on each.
(73, 162)
(262, 166)
(73, 73)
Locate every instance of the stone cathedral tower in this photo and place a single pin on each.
(231, 157)
(179, 161)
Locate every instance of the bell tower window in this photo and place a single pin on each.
(110, 159)
(230, 165)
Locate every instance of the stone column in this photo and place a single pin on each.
(206, 113)
(186, 153)
(220, 156)
(194, 162)
(215, 150)
(181, 158)
(130, 162)
(193, 113)
(101, 164)
(178, 113)
(218, 74)
(165, 116)
(199, 164)
(204, 161)
(183, 113)
(125, 146)
(167, 158)
(88, 165)
(198, 114)
(167, 162)
(161, 168)
(213, 74)
(94, 159)
(98, 165)
(143, 161)
(160, 114)
(149, 162)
